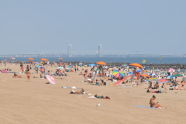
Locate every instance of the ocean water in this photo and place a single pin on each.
(149, 60)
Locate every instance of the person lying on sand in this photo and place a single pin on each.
(153, 91)
(81, 91)
(156, 86)
(178, 87)
(103, 83)
(16, 76)
(4, 71)
(153, 103)
(101, 97)
(161, 89)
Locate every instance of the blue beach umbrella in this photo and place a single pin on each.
(38, 66)
(139, 70)
(92, 65)
(60, 68)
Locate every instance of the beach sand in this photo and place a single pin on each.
(35, 102)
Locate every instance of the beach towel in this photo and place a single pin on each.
(146, 107)
(50, 79)
(67, 87)
(120, 81)
(91, 97)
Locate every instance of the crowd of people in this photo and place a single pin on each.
(156, 81)
(161, 80)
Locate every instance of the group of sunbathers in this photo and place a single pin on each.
(162, 88)
(5, 70)
(156, 88)
(82, 91)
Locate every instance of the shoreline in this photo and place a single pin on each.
(148, 66)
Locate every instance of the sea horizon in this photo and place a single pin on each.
(108, 59)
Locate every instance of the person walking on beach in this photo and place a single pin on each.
(85, 75)
(22, 67)
(28, 72)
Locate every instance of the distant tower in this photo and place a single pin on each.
(69, 50)
(99, 50)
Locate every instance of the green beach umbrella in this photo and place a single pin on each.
(177, 75)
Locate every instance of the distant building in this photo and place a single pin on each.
(99, 50)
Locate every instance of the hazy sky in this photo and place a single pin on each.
(121, 26)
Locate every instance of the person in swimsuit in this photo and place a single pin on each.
(81, 91)
(27, 72)
(153, 103)
(22, 67)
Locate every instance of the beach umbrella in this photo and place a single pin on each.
(30, 59)
(38, 66)
(125, 65)
(69, 66)
(171, 70)
(80, 64)
(37, 63)
(136, 65)
(101, 63)
(177, 75)
(115, 73)
(130, 73)
(145, 75)
(60, 68)
(92, 65)
(163, 81)
(153, 79)
(44, 59)
(152, 74)
(119, 75)
(139, 70)
(13, 58)
(169, 77)
(41, 67)
(122, 74)
(50, 79)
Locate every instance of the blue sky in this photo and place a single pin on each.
(121, 26)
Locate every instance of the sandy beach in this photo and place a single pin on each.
(35, 102)
(92, 62)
